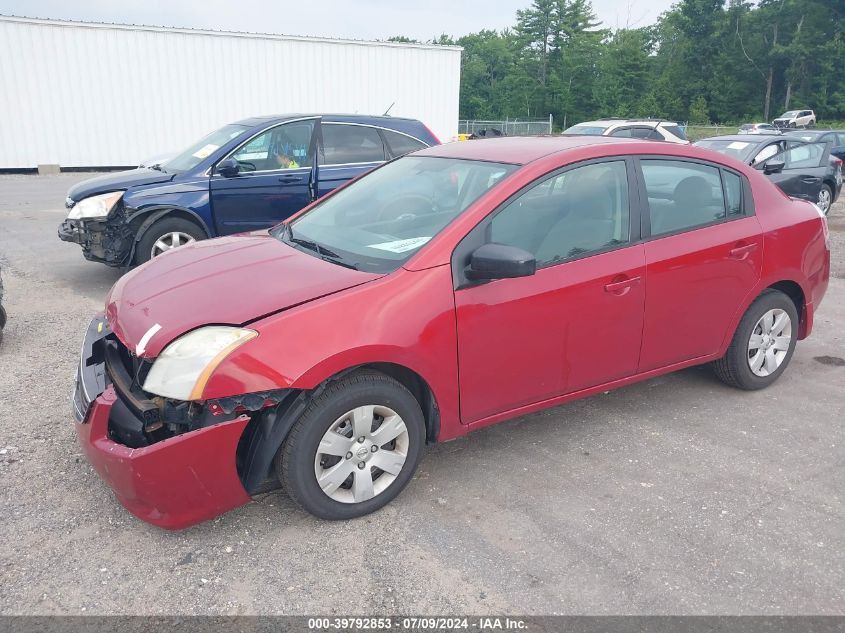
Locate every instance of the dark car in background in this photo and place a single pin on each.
(800, 168)
(245, 176)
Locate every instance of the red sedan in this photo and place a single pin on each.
(451, 289)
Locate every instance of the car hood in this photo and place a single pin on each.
(119, 181)
(231, 280)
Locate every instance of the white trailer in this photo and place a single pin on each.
(80, 94)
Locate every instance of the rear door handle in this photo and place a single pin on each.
(810, 180)
(621, 286)
(743, 251)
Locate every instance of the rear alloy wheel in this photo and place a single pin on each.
(354, 449)
(825, 199)
(165, 235)
(763, 343)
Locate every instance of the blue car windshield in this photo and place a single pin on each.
(203, 148)
(379, 221)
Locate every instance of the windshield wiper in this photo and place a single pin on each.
(324, 253)
(157, 167)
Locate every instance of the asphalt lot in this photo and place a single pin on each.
(678, 495)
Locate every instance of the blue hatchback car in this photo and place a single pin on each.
(245, 176)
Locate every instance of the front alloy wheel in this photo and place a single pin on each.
(354, 448)
(169, 241)
(361, 454)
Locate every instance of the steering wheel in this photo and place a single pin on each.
(406, 207)
(244, 163)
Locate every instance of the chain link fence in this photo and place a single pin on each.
(698, 132)
(506, 127)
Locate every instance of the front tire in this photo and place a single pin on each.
(763, 343)
(164, 235)
(354, 449)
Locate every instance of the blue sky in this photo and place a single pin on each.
(359, 19)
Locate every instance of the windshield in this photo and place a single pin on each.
(378, 222)
(738, 149)
(590, 130)
(203, 148)
(789, 115)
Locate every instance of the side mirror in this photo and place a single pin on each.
(228, 167)
(499, 261)
(774, 166)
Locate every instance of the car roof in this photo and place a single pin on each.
(280, 118)
(519, 150)
(814, 132)
(745, 138)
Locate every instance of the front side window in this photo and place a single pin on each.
(282, 147)
(344, 144)
(766, 152)
(204, 148)
(379, 221)
(401, 144)
(803, 156)
(682, 195)
(576, 213)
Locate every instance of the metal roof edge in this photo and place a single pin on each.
(241, 34)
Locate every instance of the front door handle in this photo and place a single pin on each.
(621, 285)
(742, 251)
(290, 178)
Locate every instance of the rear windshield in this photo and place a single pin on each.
(590, 130)
(677, 130)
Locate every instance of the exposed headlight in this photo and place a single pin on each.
(95, 206)
(182, 370)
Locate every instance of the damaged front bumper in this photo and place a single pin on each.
(107, 241)
(173, 483)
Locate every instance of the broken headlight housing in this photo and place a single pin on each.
(95, 207)
(182, 370)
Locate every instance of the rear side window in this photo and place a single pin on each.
(400, 144)
(682, 195)
(636, 132)
(733, 193)
(351, 144)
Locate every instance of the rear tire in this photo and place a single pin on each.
(164, 231)
(335, 463)
(825, 199)
(760, 350)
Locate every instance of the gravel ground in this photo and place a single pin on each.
(677, 495)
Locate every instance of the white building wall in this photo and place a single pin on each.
(81, 94)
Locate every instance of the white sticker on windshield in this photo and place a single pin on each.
(738, 145)
(400, 246)
(203, 152)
